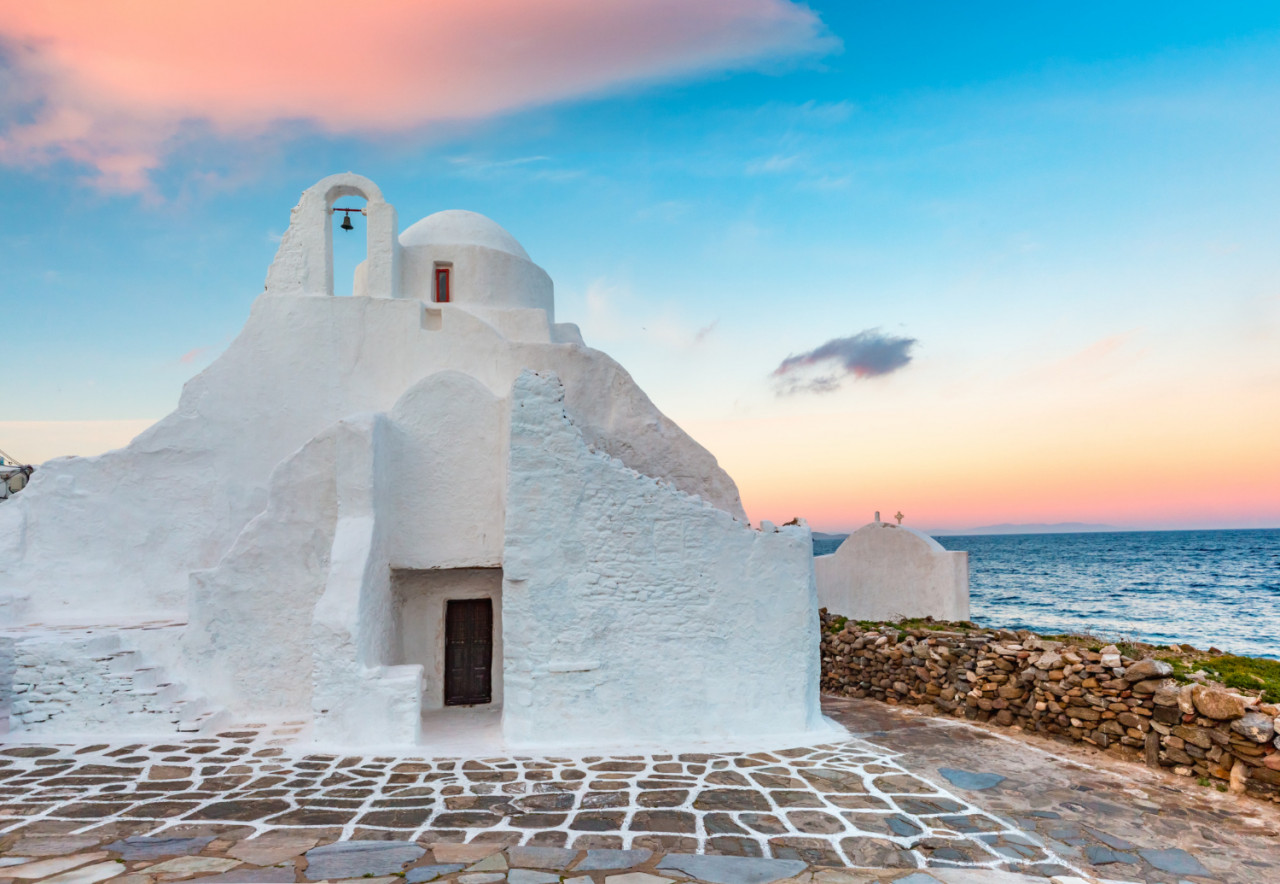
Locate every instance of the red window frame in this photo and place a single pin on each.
(442, 291)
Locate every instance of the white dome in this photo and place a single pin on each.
(457, 227)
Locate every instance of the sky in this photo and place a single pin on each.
(977, 263)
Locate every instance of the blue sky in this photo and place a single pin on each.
(1070, 208)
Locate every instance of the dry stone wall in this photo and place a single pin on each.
(1071, 693)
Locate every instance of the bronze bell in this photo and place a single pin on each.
(346, 222)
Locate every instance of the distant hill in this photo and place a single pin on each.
(1032, 528)
(1006, 528)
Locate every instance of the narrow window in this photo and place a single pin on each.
(442, 285)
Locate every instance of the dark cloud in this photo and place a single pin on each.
(867, 354)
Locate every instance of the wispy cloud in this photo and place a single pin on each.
(193, 355)
(773, 164)
(868, 354)
(1102, 358)
(114, 86)
(701, 335)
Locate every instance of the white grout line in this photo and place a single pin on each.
(859, 757)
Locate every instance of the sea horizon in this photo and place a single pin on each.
(1223, 584)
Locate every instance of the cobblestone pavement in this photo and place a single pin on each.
(949, 798)
(1108, 816)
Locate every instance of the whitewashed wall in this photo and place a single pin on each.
(448, 452)
(634, 612)
(247, 641)
(885, 572)
(115, 536)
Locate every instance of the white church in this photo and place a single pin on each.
(386, 515)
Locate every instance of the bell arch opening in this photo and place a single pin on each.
(304, 263)
(349, 245)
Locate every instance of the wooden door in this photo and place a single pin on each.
(468, 652)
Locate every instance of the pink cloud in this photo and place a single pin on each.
(108, 84)
(192, 355)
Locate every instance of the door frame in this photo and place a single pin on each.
(420, 597)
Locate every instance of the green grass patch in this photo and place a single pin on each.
(1251, 674)
(838, 623)
(1248, 674)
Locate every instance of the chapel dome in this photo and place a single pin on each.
(458, 227)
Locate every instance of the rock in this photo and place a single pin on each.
(46, 867)
(969, 780)
(145, 847)
(51, 845)
(1184, 700)
(193, 865)
(423, 874)
(1099, 856)
(732, 869)
(281, 875)
(352, 859)
(1151, 749)
(1217, 704)
(1115, 842)
(614, 859)
(529, 876)
(482, 878)
(1175, 861)
(1048, 660)
(1239, 776)
(463, 853)
(272, 847)
(88, 874)
(495, 862)
(1196, 736)
(1150, 686)
(1255, 726)
(558, 858)
(1166, 695)
(1145, 669)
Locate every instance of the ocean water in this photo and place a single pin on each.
(1205, 588)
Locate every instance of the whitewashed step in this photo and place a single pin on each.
(102, 685)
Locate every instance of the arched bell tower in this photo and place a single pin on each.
(304, 262)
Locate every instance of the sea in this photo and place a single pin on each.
(1216, 589)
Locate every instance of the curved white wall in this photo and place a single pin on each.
(886, 572)
(479, 277)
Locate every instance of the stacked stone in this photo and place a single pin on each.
(1068, 692)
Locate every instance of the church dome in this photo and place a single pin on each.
(457, 227)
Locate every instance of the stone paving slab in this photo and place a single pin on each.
(733, 869)
(908, 799)
(655, 869)
(844, 804)
(1107, 816)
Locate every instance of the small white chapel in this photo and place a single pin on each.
(380, 514)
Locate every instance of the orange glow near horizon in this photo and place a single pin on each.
(836, 471)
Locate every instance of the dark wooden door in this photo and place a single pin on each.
(468, 652)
